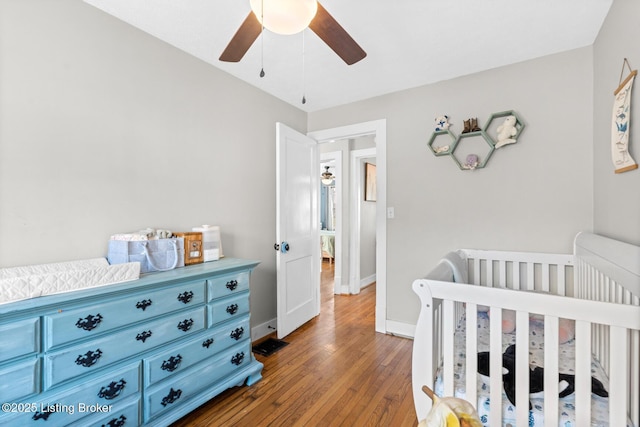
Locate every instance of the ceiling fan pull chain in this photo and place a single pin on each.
(304, 99)
(262, 39)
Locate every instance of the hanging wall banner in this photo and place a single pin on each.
(620, 156)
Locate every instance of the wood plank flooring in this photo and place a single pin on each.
(336, 371)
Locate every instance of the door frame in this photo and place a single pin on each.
(378, 128)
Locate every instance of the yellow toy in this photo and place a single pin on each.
(449, 412)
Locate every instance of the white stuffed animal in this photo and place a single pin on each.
(507, 131)
(442, 123)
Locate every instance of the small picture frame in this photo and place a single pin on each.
(370, 188)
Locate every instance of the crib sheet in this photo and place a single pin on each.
(599, 405)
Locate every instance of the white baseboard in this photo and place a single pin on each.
(264, 329)
(367, 281)
(406, 330)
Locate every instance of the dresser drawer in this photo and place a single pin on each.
(72, 325)
(228, 308)
(181, 357)
(19, 380)
(228, 284)
(19, 338)
(93, 355)
(124, 414)
(171, 393)
(98, 395)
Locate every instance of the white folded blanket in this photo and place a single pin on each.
(18, 283)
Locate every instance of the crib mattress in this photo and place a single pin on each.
(599, 405)
(19, 283)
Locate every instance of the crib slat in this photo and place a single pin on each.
(472, 348)
(618, 377)
(545, 277)
(476, 271)
(516, 274)
(530, 280)
(448, 330)
(562, 285)
(502, 270)
(583, 373)
(522, 368)
(490, 273)
(495, 366)
(551, 370)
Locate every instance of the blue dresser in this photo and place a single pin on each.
(145, 352)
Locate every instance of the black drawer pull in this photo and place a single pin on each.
(90, 322)
(172, 364)
(207, 343)
(238, 358)
(43, 415)
(171, 397)
(185, 297)
(142, 336)
(185, 325)
(237, 333)
(89, 358)
(116, 422)
(144, 304)
(232, 285)
(232, 309)
(113, 390)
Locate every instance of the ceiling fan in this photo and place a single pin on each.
(322, 23)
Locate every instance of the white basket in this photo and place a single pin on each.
(211, 243)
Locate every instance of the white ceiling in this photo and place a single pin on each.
(409, 43)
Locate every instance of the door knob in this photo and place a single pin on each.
(283, 247)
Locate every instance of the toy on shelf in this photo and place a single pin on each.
(507, 132)
(442, 123)
(471, 162)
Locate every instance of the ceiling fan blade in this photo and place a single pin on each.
(242, 39)
(332, 33)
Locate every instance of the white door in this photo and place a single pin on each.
(297, 236)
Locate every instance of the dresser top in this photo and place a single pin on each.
(148, 280)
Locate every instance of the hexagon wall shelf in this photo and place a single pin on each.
(480, 143)
(442, 142)
(470, 144)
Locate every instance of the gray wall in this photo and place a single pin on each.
(616, 196)
(105, 129)
(532, 196)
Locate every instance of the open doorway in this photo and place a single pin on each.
(347, 212)
(376, 131)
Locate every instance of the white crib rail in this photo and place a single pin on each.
(521, 270)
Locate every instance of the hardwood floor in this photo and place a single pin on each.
(336, 371)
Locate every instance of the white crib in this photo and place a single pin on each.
(598, 286)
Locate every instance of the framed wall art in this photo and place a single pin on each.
(370, 188)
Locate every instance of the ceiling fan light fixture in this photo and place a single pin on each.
(284, 16)
(327, 177)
